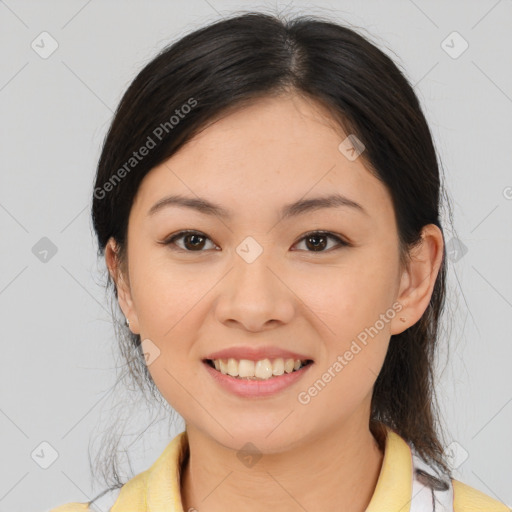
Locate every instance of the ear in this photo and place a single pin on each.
(418, 279)
(122, 284)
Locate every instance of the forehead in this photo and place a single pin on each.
(274, 151)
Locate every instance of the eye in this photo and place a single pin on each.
(317, 240)
(194, 241)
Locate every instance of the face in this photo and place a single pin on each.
(257, 278)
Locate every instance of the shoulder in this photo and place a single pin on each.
(469, 499)
(436, 491)
(162, 477)
(131, 492)
(72, 507)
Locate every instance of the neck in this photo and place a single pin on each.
(337, 470)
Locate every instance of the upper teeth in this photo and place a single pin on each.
(263, 369)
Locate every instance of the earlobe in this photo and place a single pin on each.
(123, 289)
(419, 278)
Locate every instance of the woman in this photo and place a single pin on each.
(267, 202)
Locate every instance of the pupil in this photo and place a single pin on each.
(197, 238)
(316, 246)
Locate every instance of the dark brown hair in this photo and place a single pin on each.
(232, 62)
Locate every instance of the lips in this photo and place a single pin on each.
(256, 389)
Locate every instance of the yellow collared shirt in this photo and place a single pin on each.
(405, 484)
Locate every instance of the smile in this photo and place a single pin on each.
(247, 383)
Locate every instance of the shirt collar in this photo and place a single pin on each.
(394, 485)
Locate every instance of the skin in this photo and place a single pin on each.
(318, 456)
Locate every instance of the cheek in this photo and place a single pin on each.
(350, 296)
(353, 309)
(166, 294)
(355, 331)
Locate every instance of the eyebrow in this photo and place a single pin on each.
(289, 210)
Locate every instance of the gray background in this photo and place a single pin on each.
(58, 344)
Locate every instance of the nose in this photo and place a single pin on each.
(254, 296)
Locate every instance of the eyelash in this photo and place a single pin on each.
(170, 240)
